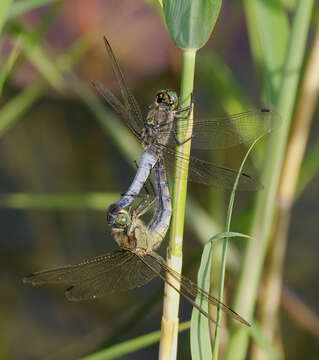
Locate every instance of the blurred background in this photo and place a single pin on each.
(64, 157)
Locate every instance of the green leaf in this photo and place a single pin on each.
(128, 347)
(272, 20)
(227, 234)
(42, 61)
(190, 22)
(9, 64)
(20, 7)
(65, 201)
(4, 7)
(263, 342)
(266, 202)
(11, 111)
(309, 168)
(37, 54)
(200, 329)
(224, 250)
(219, 79)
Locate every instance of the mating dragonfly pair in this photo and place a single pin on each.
(136, 262)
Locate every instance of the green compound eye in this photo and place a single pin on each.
(173, 98)
(122, 219)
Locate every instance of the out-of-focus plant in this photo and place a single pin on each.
(277, 59)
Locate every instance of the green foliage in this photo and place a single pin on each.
(4, 7)
(266, 200)
(128, 347)
(22, 6)
(272, 20)
(258, 336)
(9, 64)
(200, 327)
(60, 201)
(190, 23)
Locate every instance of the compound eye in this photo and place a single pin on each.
(159, 97)
(173, 99)
(122, 220)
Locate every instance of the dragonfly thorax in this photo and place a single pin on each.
(158, 125)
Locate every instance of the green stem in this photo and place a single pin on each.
(180, 183)
(168, 343)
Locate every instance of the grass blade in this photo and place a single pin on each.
(9, 64)
(60, 201)
(200, 328)
(128, 347)
(224, 251)
(20, 7)
(4, 9)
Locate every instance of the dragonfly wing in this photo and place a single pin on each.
(190, 290)
(118, 107)
(129, 100)
(117, 271)
(225, 132)
(74, 273)
(205, 172)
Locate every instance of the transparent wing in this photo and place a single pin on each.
(188, 288)
(117, 271)
(205, 172)
(130, 103)
(225, 132)
(118, 107)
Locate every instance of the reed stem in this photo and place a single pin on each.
(168, 342)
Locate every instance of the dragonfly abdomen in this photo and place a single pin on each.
(162, 217)
(148, 161)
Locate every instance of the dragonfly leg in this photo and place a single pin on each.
(176, 139)
(142, 211)
(142, 203)
(180, 116)
(181, 142)
(186, 108)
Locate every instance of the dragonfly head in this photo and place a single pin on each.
(167, 97)
(122, 219)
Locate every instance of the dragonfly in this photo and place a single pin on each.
(158, 135)
(136, 262)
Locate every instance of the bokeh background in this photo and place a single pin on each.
(64, 157)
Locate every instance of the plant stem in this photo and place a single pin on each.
(168, 342)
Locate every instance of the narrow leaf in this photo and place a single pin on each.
(228, 234)
(273, 20)
(20, 7)
(130, 346)
(200, 331)
(9, 64)
(4, 7)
